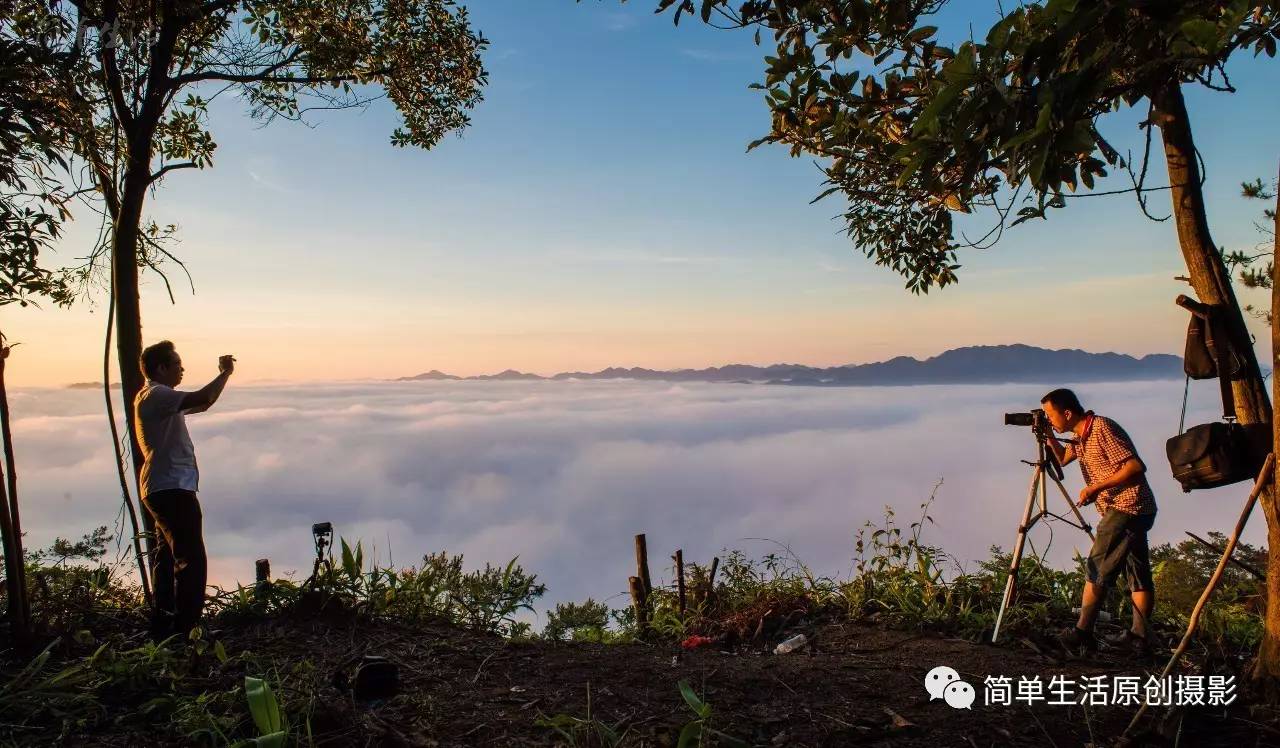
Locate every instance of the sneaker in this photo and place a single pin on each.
(1131, 643)
(1074, 639)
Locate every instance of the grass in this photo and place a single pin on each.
(901, 580)
(94, 673)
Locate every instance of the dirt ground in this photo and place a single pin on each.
(857, 685)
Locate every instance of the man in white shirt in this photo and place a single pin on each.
(169, 481)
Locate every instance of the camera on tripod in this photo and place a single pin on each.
(1047, 470)
(322, 534)
(1036, 419)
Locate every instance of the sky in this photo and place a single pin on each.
(601, 211)
(564, 474)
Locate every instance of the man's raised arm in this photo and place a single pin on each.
(200, 400)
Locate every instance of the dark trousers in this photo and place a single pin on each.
(1120, 547)
(179, 568)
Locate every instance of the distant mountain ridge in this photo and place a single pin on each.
(986, 364)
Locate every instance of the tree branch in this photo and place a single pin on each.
(218, 6)
(266, 77)
(182, 80)
(173, 167)
(115, 86)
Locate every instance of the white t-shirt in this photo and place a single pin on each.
(169, 457)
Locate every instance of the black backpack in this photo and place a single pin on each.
(1209, 352)
(1219, 453)
(1197, 361)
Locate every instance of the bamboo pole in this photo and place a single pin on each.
(642, 564)
(262, 576)
(15, 564)
(1264, 478)
(679, 559)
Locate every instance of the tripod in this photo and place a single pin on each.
(1046, 464)
(322, 533)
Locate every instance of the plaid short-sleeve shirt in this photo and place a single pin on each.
(1102, 449)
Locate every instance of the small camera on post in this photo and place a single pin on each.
(322, 535)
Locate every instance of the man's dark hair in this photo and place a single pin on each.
(155, 356)
(1064, 399)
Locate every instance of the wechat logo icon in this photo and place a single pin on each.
(944, 683)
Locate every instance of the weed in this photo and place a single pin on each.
(584, 732)
(437, 591)
(698, 731)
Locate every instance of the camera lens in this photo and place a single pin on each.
(1018, 419)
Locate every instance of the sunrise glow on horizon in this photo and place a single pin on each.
(631, 232)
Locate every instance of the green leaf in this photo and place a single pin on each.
(928, 120)
(962, 67)
(349, 560)
(911, 168)
(1058, 7)
(690, 736)
(1202, 33)
(922, 33)
(700, 707)
(263, 706)
(220, 652)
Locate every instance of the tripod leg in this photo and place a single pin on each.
(1044, 493)
(1016, 560)
(1075, 509)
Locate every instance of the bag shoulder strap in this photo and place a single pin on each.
(1219, 350)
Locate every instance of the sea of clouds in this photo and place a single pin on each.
(564, 474)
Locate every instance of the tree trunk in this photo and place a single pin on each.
(14, 560)
(139, 128)
(140, 131)
(124, 253)
(122, 471)
(1212, 283)
(128, 314)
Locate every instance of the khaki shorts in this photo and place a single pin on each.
(1120, 545)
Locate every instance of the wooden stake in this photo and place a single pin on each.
(711, 579)
(262, 575)
(640, 602)
(642, 565)
(1263, 480)
(679, 559)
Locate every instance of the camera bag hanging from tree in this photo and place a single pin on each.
(1211, 454)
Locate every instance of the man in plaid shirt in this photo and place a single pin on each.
(1115, 480)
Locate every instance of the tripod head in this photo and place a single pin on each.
(1041, 430)
(322, 533)
(1047, 457)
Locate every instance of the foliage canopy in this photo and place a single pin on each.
(1008, 122)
